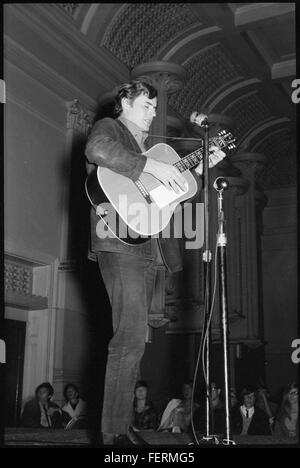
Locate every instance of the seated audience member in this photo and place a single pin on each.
(177, 414)
(75, 407)
(286, 422)
(41, 411)
(265, 403)
(233, 398)
(248, 419)
(217, 413)
(145, 416)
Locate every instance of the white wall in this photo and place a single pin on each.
(48, 63)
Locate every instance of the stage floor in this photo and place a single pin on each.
(83, 438)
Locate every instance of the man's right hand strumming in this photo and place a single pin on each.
(169, 175)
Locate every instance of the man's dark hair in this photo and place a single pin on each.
(141, 383)
(131, 91)
(46, 385)
(247, 390)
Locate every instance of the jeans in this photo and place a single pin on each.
(129, 281)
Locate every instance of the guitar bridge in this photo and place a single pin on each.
(142, 189)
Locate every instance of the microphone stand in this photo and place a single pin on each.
(207, 268)
(220, 185)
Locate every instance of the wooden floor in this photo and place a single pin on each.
(83, 438)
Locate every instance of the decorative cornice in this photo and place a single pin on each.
(70, 8)
(18, 277)
(18, 280)
(163, 75)
(29, 302)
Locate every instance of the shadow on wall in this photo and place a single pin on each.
(90, 286)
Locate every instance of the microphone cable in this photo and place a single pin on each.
(201, 353)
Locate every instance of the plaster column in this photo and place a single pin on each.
(70, 304)
(167, 78)
(249, 164)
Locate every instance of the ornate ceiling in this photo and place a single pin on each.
(239, 59)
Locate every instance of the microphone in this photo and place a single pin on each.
(199, 119)
(220, 184)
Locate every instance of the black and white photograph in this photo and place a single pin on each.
(150, 245)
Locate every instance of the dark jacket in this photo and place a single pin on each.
(31, 415)
(111, 144)
(259, 423)
(217, 419)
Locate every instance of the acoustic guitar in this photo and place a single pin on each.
(134, 211)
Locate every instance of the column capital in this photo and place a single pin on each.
(78, 118)
(166, 76)
(249, 163)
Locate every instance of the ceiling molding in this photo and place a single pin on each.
(232, 89)
(284, 69)
(253, 12)
(37, 70)
(256, 131)
(58, 32)
(190, 36)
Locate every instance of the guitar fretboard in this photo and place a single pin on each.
(194, 158)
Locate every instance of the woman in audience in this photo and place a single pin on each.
(145, 415)
(286, 422)
(177, 415)
(75, 407)
(265, 403)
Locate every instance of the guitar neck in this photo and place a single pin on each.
(194, 158)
